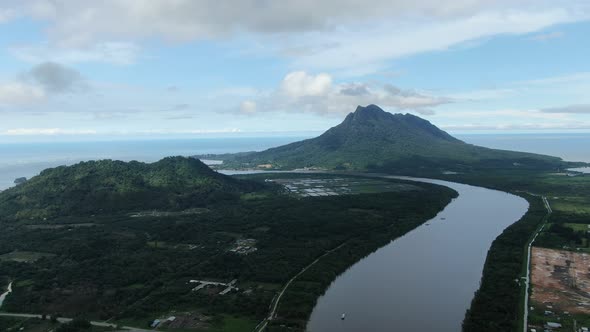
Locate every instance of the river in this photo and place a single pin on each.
(425, 280)
(4, 295)
(580, 169)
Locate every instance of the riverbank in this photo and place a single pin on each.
(301, 293)
(569, 199)
(5, 294)
(435, 268)
(497, 304)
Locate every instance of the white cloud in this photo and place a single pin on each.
(6, 14)
(119, 53)
(80, 21)
(248, 107)
(300, 84)
(547, 36)
(519, 126)
(302, 92)
(522, 115)
(17, 93)
(193, 131)
(571, 109)
(574, 78)
(46, 132)
(318, 35)
(374, 44)
(483, 94)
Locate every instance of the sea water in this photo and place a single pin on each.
(28, 159)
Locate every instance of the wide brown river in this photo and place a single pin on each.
(425, 280)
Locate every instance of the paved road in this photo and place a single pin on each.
(528, 264)
(67, 320)
(274, 306)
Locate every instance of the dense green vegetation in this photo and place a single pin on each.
(497, 304)
(135, 268)
(107, 186)
(372, 139)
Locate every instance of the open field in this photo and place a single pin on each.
(335, 186)
(561, 280)
(578, 227)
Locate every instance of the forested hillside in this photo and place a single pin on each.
(108, 186)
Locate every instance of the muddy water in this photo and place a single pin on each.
(425, 280)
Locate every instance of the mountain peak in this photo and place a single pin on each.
(369, 109)
(381, 124)
(369, 112)
(371, 136)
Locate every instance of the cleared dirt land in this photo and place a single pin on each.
(561, 280)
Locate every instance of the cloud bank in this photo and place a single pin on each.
(318, 35)
(571, 109)
(303, 92)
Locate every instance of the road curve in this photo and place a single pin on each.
(527, 276)
(274, 306)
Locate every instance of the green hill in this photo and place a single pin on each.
(371, 138)
(107, 186)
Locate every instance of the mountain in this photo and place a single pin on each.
(373, 139)
(107, 186)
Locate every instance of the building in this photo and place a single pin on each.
(552, 325)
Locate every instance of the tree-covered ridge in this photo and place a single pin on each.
(373, 139)
(106, 186)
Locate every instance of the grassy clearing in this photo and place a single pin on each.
(578, 227)
(254, 196)
(315, 186)
(259, 285)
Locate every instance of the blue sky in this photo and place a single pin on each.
(77, 69)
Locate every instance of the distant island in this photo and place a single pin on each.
(371, 139)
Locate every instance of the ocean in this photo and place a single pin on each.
(28, 159)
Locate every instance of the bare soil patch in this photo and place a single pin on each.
(561, 280)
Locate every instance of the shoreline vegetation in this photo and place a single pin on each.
(497, 305)
(569, 197)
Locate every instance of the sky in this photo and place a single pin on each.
(80, 69)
